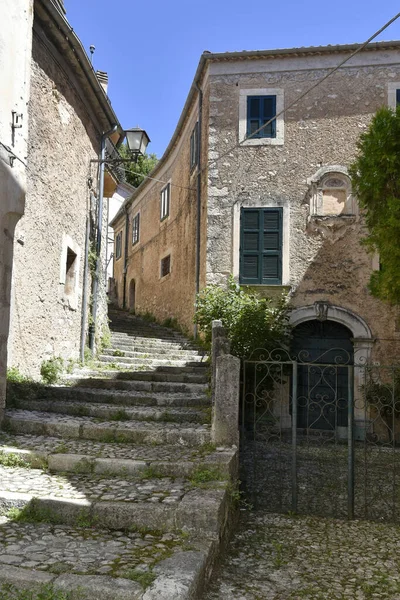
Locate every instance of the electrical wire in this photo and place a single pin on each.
(182, 187)
(310, 89)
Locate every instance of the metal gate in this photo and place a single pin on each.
(321, 436)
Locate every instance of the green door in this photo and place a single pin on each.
(324, 350)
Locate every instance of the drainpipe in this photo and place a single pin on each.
(198, 194)
(85, 286)
(92, 326)
(125, 255)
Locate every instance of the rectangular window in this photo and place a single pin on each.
(397, 97)
(165, 265)
(194, 147)
(118, 245)
(70, 272)
(135, 229)
(260, 109)
(261, 246)
(165, 200)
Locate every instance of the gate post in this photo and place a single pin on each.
(220, 345)
(225, 417)
(350, 442)
(294, 438)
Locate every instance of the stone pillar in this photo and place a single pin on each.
(225, 420)
(220, 346)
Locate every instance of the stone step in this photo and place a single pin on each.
(86, 456)
(121, 362)
(185, 377)
(148, 343)
(110, 412)
(103, 395)
(124, 338)
(115, 383)
(99, 564)
(135, 432)
(149, 337)
(151, 333)
(115, 503)
(153, 353)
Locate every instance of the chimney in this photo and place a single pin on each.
(102, 76)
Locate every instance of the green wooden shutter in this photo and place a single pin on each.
(261, 246)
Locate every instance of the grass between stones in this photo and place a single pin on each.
(11, 459)
(144, 578)
(9, 592)
(204, 477)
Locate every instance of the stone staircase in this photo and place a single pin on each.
(110, 488)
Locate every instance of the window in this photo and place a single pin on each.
(194, 146)
(397, 97)
(165, 200)
(256, 107)
(118, 245)
(70, 273)
(260, 110)
(135, 229)
(261, 246)
(165, 265)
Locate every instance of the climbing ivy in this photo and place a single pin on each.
(375, 177)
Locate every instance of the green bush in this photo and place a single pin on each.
(51, 369)
(251, 322)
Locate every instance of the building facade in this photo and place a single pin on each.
(69, 112)
(15, 54)
(271, 205)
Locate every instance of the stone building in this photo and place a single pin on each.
(276, 210)
(69, 113)
(15, 52)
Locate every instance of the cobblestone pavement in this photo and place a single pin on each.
(35, 415)
(49, 445)
(279, 557)
(37, 483)
(59, 549)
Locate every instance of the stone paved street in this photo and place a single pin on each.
(279, 557)
(37, 483)
(60, 549)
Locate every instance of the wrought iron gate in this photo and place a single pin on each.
(321, 437)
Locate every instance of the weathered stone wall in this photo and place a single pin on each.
(323, 260)
(15, 54)
(172, 296)
(46, 321)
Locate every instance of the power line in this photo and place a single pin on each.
(283, 111)
(182, 187)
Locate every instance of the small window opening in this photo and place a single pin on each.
(70, 273)
(165, 265)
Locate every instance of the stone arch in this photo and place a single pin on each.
(132, 295)
(320, 310)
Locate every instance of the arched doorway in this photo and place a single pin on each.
(132, 295)
(324, 350)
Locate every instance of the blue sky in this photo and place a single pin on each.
(151, 50)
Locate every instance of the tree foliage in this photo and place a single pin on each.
(251, 322)
(375, 177)
(134, 171)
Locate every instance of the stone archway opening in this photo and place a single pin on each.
(326, 348)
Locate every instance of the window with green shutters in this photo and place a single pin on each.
(261, 246)
(260, 110)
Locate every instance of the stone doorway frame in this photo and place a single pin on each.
(362, 339)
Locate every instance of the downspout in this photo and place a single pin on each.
(198, 195)
(85, 286)
(125, 255)
(92, 326)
